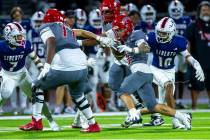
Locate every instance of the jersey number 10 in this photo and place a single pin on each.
(164, 62)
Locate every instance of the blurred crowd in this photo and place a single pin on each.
(86, 15)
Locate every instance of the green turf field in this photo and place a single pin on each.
(111, 129)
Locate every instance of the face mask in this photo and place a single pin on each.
(205, 18)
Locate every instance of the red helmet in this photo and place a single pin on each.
(122, 22)
(53, 15)
(109, 9)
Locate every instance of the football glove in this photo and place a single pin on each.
(106, 66)
(91, 62)
(105, 41)
(124, 48)
(44, 71)
(199, 72)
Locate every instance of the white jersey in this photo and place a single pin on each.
(69, 60)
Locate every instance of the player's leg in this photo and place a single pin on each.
(8, 85)
(148, 97)
(59, 99)
(93, 81)
(77, 93)
(131, 84)
(38, 100)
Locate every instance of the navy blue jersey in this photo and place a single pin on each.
(164, 53)
(145, 27)
(37, 44)
(182, 23)
(92, 49)
(14, 59)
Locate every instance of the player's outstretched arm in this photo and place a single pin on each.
(36, 60)
(104, 41)
(141, 47)
(196, 65)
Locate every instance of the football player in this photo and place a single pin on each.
(165, 45)
(148, 16)
(135, 47)
(81, 18)
(65, 64)
(14, 50)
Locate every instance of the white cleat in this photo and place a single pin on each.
(176, 124)
(54, 126)
(186, 120)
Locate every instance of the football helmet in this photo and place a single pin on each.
(165, 30)
(37, 19)
(53, 15)
(148, 13)
(95, 19)
(15, 34)
(81, 18)
(131, 7)
(122, 27)
(109, 9)
(176, 9)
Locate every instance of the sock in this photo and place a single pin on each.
(84, 107)
(37, 100)
(178, 115)
(77, 117)
(46, 112)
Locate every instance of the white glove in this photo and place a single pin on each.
(100, 53)
(124, 48)
(91, 62)
(199, 72)
(105, 41)
(133, 116)
(44, 71)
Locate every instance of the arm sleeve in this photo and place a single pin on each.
(46, 33)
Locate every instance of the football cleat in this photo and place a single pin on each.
(187, 121)
(33, 125)
(155, 121)
(176, 124)
(54, 126)
(91, 128)
(127, 123)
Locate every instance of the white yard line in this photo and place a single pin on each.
(95, 114)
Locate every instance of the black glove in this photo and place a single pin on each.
(90, 71)
(106, 66)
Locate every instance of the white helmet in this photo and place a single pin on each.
(81, 18)
(15, 34)
(148, 13)
(165, 30)
(131, 7)
(37, 19)
(175, 9)
(95, 18)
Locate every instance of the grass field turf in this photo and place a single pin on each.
(111, 129)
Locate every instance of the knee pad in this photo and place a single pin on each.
(81, 103)
(6, 92)
(37, 96)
